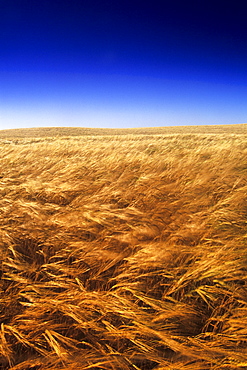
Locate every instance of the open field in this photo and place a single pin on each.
(83, 131)
(123, 250)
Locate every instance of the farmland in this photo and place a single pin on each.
(123, 249)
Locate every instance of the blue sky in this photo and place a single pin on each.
(122, 63)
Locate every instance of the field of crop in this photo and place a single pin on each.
(123, 250)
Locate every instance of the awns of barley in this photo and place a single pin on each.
(124, 252)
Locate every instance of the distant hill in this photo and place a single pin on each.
(82, 131)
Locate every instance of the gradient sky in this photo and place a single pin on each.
(121, 63)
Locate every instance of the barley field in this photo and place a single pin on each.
(123, 249)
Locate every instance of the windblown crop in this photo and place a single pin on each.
(124, 251)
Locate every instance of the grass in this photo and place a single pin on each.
(123, 249)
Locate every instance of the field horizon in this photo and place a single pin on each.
(123, 249)
(240, 128)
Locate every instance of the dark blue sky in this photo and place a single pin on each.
(122, 63)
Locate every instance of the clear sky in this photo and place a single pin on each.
(121, 63)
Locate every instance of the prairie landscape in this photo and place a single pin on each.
(123, 249)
